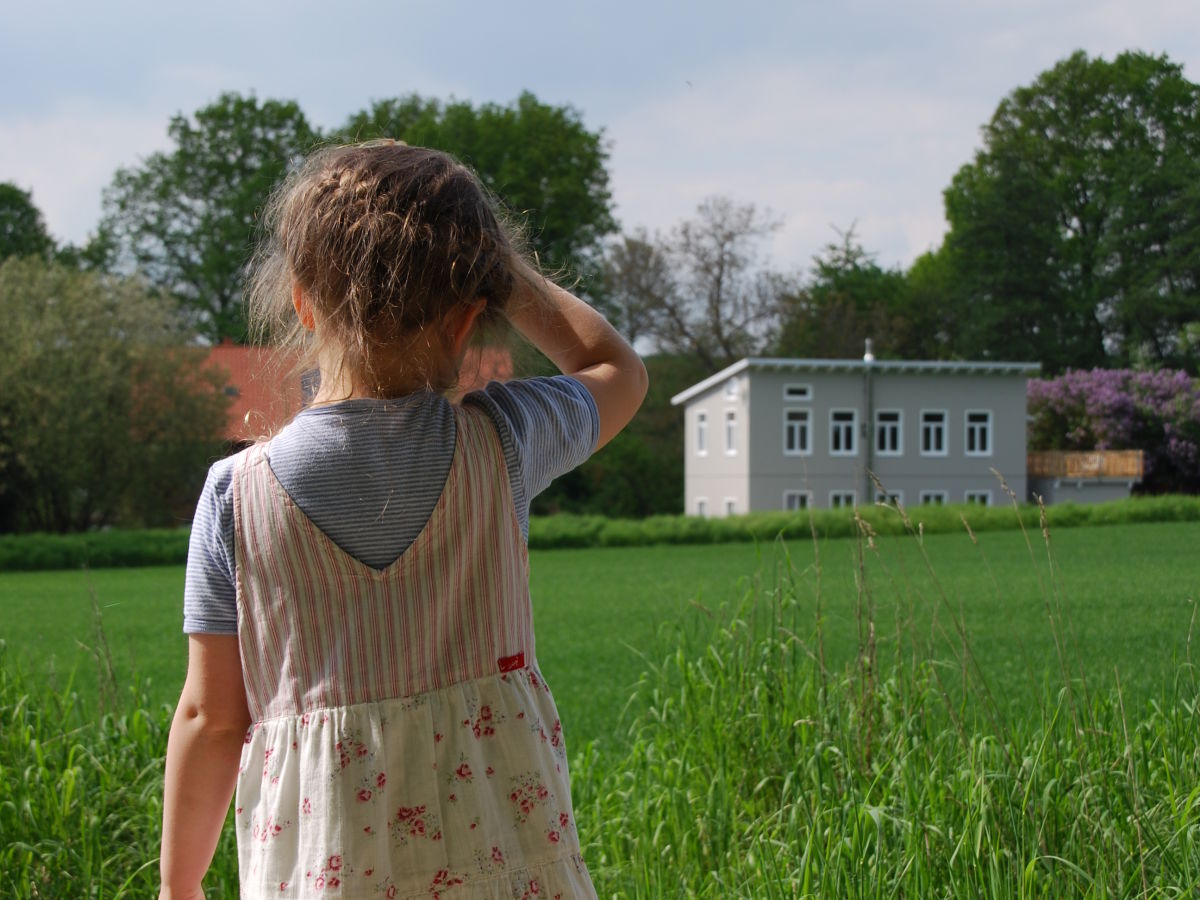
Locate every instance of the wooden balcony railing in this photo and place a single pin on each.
(1085, 464)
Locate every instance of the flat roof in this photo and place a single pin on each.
(906, 366)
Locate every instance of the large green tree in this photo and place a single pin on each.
(188, 217)
(1074, 234)
(544, 164)
(106, 416)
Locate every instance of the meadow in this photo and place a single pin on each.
(937, 715)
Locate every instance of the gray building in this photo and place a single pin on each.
(768, 434)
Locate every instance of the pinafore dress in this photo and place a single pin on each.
(404, 742)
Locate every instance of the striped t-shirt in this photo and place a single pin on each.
(368, 473)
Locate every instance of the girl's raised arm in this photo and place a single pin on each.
(583, 345)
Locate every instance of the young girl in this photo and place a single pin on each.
(361, 661)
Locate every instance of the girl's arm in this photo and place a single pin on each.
(203, 752)
(583, 345)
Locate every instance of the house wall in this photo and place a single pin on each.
(1080, 490)
(717, 476)
(821, 471)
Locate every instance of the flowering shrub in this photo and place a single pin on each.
(1120, 409)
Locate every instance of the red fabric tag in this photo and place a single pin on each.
(512, 663)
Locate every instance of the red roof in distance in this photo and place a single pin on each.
(266, 392)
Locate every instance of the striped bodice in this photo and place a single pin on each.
(320, 629)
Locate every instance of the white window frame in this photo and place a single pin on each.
(805, 449)
(843, 499)
(895, 428)
(983, 498)
(702, 507)
(731, 506)
(702, 432)
(889, 498)
(804, 500)
(850, 429)
(729, 420)
(976, 428)
(797, 393)
(934, 498)
(731, 389)
(942, 428)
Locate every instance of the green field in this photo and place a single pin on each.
(1123, 595)
(879, 718)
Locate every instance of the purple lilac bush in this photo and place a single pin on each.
(1121, 409)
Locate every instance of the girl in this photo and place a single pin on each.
(361, 660)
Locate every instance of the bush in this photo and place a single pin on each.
(1121, 409)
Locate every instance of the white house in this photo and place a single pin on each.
(790, 433)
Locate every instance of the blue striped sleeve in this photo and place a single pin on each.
(209, 589)
(547, 426)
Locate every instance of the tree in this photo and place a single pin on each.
(847, 299)
(1075, 232)
(106, 417)
(188, 217)
(703, 291)
(546, 167)
(22, 231)
(636, 278)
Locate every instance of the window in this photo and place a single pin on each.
(795, 432)
(890, 498)
(731, 389)
(730, 506)
(933, 432)
(730, 432)
(701, 434)
(839, 499)
(979, 433)
(843, 423)
(797, 393)
(796, 500)
(980, 498)
(702, 506)
(889, 428)
(934, 498)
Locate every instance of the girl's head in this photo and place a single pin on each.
(387, 249)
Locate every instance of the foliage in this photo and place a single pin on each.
(22, 231)
(188, 217)
(121, 548)
(1074, 234)
(545, 165)
(704, 291)
(105, 417)
(1156, 412)
(847, 299)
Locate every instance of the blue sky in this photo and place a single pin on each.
(830, 114)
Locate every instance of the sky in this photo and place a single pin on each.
(830, 114)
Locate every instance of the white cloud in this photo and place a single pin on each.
(68, 156)
(825, 150)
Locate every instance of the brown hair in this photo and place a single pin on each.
(384, 239)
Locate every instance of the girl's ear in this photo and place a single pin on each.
(459, 325)
(303, 307)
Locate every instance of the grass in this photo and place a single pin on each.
(875, 717)
(603, 613)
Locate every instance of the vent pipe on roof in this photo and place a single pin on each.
(868, 353)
